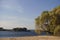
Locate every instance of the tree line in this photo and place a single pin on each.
(14, 29)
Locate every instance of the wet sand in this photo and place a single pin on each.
(32, 38)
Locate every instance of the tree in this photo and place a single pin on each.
(1, 29)
(49, 20)
(19, 29)
(37, 25)
(57, 31)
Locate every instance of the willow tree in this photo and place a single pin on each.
(57, 21)
(37, 23)
(41, 21)
(50, 21)
(45, 21)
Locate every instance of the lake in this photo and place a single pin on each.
(17, 34)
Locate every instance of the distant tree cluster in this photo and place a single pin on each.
(49, 21)
(20, 29)
(14, 29)
(1, 28)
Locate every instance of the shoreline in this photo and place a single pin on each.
(32, 38)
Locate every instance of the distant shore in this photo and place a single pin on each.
(32, 38)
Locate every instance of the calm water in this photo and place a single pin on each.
(18, 34)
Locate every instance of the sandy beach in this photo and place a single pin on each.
(32, 38)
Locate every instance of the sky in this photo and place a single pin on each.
(22, 13)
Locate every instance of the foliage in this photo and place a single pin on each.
(1, 28)
(49, 20)
(19, 29)
(57, 30)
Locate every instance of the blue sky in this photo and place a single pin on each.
(22, 13)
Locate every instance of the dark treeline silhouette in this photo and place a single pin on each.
(14, 29)
(1, 28)
(19, 29)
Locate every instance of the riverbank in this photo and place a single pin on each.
(32, 38)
